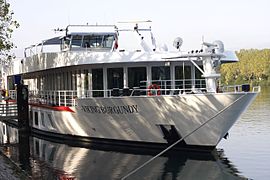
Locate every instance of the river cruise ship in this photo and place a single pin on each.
(111, 85)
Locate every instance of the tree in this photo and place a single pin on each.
(253, 67)
(7, 26)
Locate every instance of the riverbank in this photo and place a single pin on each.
(10, 171)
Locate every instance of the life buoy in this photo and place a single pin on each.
(153, 89)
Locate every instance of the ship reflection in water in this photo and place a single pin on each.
(43, 159)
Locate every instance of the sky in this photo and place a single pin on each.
(240, 24)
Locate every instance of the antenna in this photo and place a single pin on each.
(58, 30)
(128, 22)
(202, 41)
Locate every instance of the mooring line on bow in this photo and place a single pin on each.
(176, 142)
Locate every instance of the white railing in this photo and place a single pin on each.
(177, 84)
(65, 97)
(161, 87)
(256, 89)
(240, 88)
(53, 98)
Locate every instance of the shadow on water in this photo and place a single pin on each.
(43, 159)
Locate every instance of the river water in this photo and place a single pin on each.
(244, 155)
(248, 146)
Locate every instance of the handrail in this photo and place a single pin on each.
(69, 97)
(184, 83)
(256, 89)
(240, 88)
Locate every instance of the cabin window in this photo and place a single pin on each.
(76, 41)
(97, 82)
(4, 130)
(161, 73)
(115, 78)
(51, 120)
(161, 76)
(200, 81)
(85, 82)
(31, 116)
(183, 77)
(36, 118)
(42, 119)
(135, 76)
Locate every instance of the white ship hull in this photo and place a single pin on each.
(143, 121)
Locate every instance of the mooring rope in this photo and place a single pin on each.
(176, 142)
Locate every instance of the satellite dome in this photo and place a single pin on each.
(177, 43)
(219, 46)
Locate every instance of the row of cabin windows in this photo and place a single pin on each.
(35, 119)
(137, 77)
(138, 74)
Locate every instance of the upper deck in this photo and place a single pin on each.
(95, 44)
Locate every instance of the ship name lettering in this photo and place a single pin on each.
(125, 109)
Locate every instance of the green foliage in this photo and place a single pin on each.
(253, 67)
(7, 26)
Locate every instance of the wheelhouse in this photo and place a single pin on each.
(100, 38)
(87, 41)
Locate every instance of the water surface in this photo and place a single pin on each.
(248, 146)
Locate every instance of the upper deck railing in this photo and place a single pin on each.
(157, 88)
(240, 88)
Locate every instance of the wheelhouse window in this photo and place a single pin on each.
(183, 77)
(115, 78)
(92, 41)
(76, 41)
(95, 41)
(108, 41)
(98, 41)
(136, 76)
(65, 43)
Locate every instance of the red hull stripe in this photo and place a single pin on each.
(55, 108)
(10, 100)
